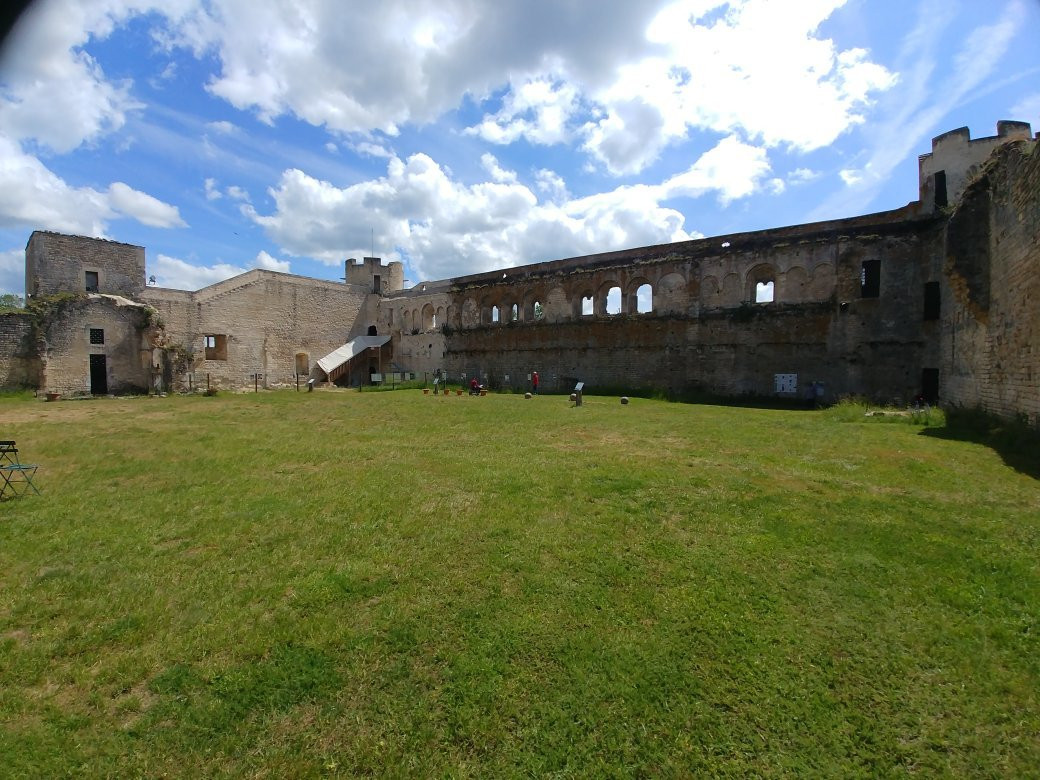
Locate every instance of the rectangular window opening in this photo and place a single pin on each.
(376, 283)
(870, 279)
(931, 300)
(97, 336)
(216, 347)
(92, 281)
(941, 198)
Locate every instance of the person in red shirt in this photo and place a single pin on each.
(534, 382)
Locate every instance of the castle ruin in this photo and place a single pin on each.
(939, 298)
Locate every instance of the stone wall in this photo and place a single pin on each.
(57, 263)
(123, 336)
(259, 322)
(19, 366)
(708, 329)
(991, 327)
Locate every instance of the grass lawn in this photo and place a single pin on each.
(343, 584)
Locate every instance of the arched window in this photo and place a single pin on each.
(614, 300)
(586, 305)
(764, 292)
(644, 299)
(538, 310)
(372, 330)
(514, 313)
(494, 314)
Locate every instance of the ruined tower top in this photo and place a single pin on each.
(371, 273)
(944, 172)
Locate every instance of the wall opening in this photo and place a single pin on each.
(376, 285)
(303, 363)
(91, 281)
(494, 314)
(372, 330)
(644, 299)
(614, 300)
(930, 385)
(586, 305)
(538, 310)
(98, 375)
(97, 336)
(870, 279)
(429, 317)
(932, 298)
(216, 347)
(764, 292)
(941, 198)
(514, 313)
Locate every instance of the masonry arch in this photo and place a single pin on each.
(671, 294)
(557, 305)
(533, 298)
(470, 313)
(760, 284)
(823, 282)
(439, 320)
(796, 285)
(639, 296)
(406, 321)
(584, 304)
(731, 292)
(429, 317)
(710, 291)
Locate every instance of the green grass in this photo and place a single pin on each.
(345, 584)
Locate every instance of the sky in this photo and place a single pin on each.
(461, 136)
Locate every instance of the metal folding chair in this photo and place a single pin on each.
(15, 478)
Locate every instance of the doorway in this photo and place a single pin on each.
(98, 375)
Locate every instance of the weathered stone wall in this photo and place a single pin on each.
(57, 263)
(19, 366)
(706, 332)
(959, 156)
(991, 327)
(127, 345)
(261, 322)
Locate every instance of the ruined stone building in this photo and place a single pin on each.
(939, 298)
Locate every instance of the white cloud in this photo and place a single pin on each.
(370, 149)
(55, 93)
(802, 175)
(331, 148)
(33, 196)
(731, 168)
(538, 109)
(222, 127)
(551, 184)
(143, 207)
(12, 271)
(1027, 109)
(212, 191)
(181, 275)
(919, 103)
(265, 261)
(626, 84)
(445, 228)
(496, 171)
(237, 193)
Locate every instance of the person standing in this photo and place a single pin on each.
(534, 382)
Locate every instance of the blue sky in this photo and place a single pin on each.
(464, 135)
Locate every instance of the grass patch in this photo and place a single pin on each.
(336, 583)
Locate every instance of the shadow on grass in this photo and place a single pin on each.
(1016, 442)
